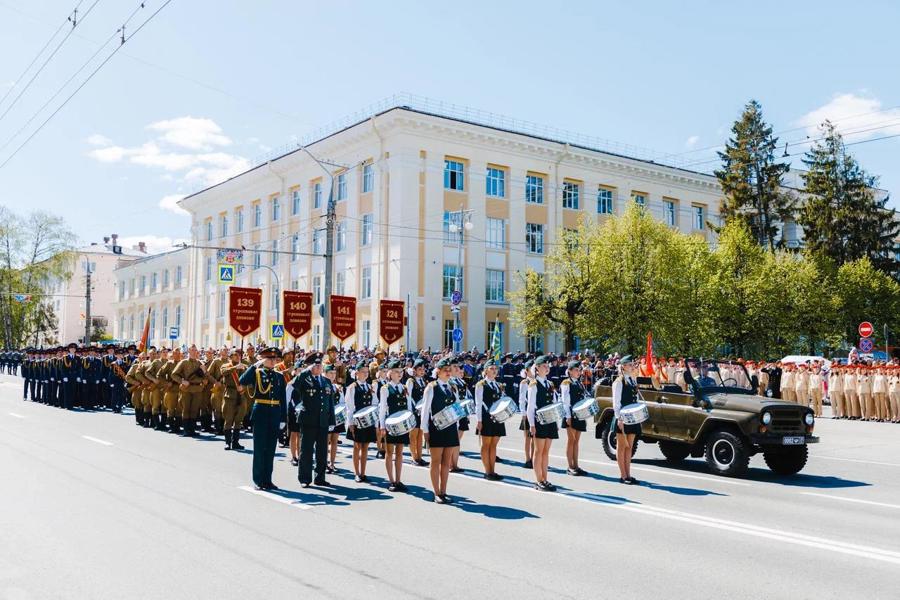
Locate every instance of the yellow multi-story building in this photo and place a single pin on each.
(400, 176)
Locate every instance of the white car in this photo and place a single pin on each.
(800, 358)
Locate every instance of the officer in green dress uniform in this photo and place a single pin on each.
(267, 389)
(316, 408)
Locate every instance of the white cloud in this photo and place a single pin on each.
(99, 140)
(110, 154)
(191, 133)
(691, 141)
(170, 203)
(155, 244)
(853, 115)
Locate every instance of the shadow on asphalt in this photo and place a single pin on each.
(762, 475)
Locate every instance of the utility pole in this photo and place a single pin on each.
(329, 266)
(87, 306)
(464, 224)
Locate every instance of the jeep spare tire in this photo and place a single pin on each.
(787, 461)
(726, 454)
(609, 441)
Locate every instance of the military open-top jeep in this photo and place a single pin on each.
(720, 418)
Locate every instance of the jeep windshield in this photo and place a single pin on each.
(716, 375)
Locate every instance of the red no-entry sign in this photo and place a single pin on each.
(866, 329)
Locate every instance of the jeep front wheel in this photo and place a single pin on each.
(674, 451)
(786, 461)
(726, 454)
(609, 441)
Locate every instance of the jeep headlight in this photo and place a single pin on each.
(809, 419)
(766, 418)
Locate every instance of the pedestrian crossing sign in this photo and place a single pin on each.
(277, 331)
(226, 274)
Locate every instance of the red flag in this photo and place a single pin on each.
(146, 334)
(649, 358)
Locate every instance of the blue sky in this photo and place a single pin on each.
(207, 86)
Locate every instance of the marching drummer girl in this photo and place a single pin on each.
(415, 385)
(571, 392)
(459, 388)
(540, 394)
(394, 398)
(359, 395)
(527, 377)
(624, 392)
(334, 432)
(293, 424)
(441, 442)
(488, 391)
(379, 382)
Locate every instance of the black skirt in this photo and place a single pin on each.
(491, 428)
(397, 439)
(362, 436)
(630, 429)
(442, 438)
(463, 424)
(546, 432)
(577, 424)
(338, 429)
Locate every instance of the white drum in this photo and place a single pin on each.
(446, 417)
(366, 417)
(468, 406)
(552, 413)
(634, 414)
(340, 414)
(400, 423)
(585, 409)
(503, 409)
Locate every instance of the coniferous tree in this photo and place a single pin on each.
(842, 218)
(751, 178)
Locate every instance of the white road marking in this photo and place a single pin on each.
(640, 468)
(16, 415)
(275, 497)
(97, 440)
(857, 500)
(858, 460)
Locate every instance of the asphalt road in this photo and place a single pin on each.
(93, 507)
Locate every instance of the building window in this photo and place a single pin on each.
(494, 286)
(368, 183)
(495, 182)
(452, 217)
(274, 260)
(604, 201)
(453, 277)
(317, 289)
(365, 290)
(165, 320)
(239, 218)
(209, 231)
(534, 189)
(318, 241)
(152, 332)
(340, 283)
(454, 174)
(365, 335)
(491, 326)
(257, 215)
(121, 327)
(220, 309)
(257, 257)
(496, 233)
(206, 306)
(367, 230)
(178, 273)
(342, 187)
(534, 238)
(669, 212)
(154, 283)
(223, 225)
(295, 202)
(639, 199)
(121, 290)
(209, 268)
(699, 218)
(131, 327)
(143, 284)
(131, 288)
(166, 279)
(273, 297)
(317, 195)
(276, 208)
(449, 326)
(571, 194)
(317, 336)
(295, 246)
(178, 316)
(341, 237)
(535, 343)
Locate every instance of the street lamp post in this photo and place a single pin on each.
(464, 224)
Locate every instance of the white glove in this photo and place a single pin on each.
(65, 380)
(51, 379)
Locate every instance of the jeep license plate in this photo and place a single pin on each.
(792, 440)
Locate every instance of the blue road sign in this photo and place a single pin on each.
(173, 333)
(277, 331)
(456, 297)
(226, 274)
(866, 345)
(457, 335)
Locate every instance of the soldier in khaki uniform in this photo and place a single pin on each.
(851, 402)
(190, 375)
(157, 413)
(880, 394)
(217, 393)
(836, 392)
(233, 400)
(787, 383)
(135, 380)
(801, 385)
(816, 383)
(170, 392)
(864, 393)
(894, 393)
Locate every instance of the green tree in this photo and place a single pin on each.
(866, 294)
(751, 178)
(842, 218)
(556, 299)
